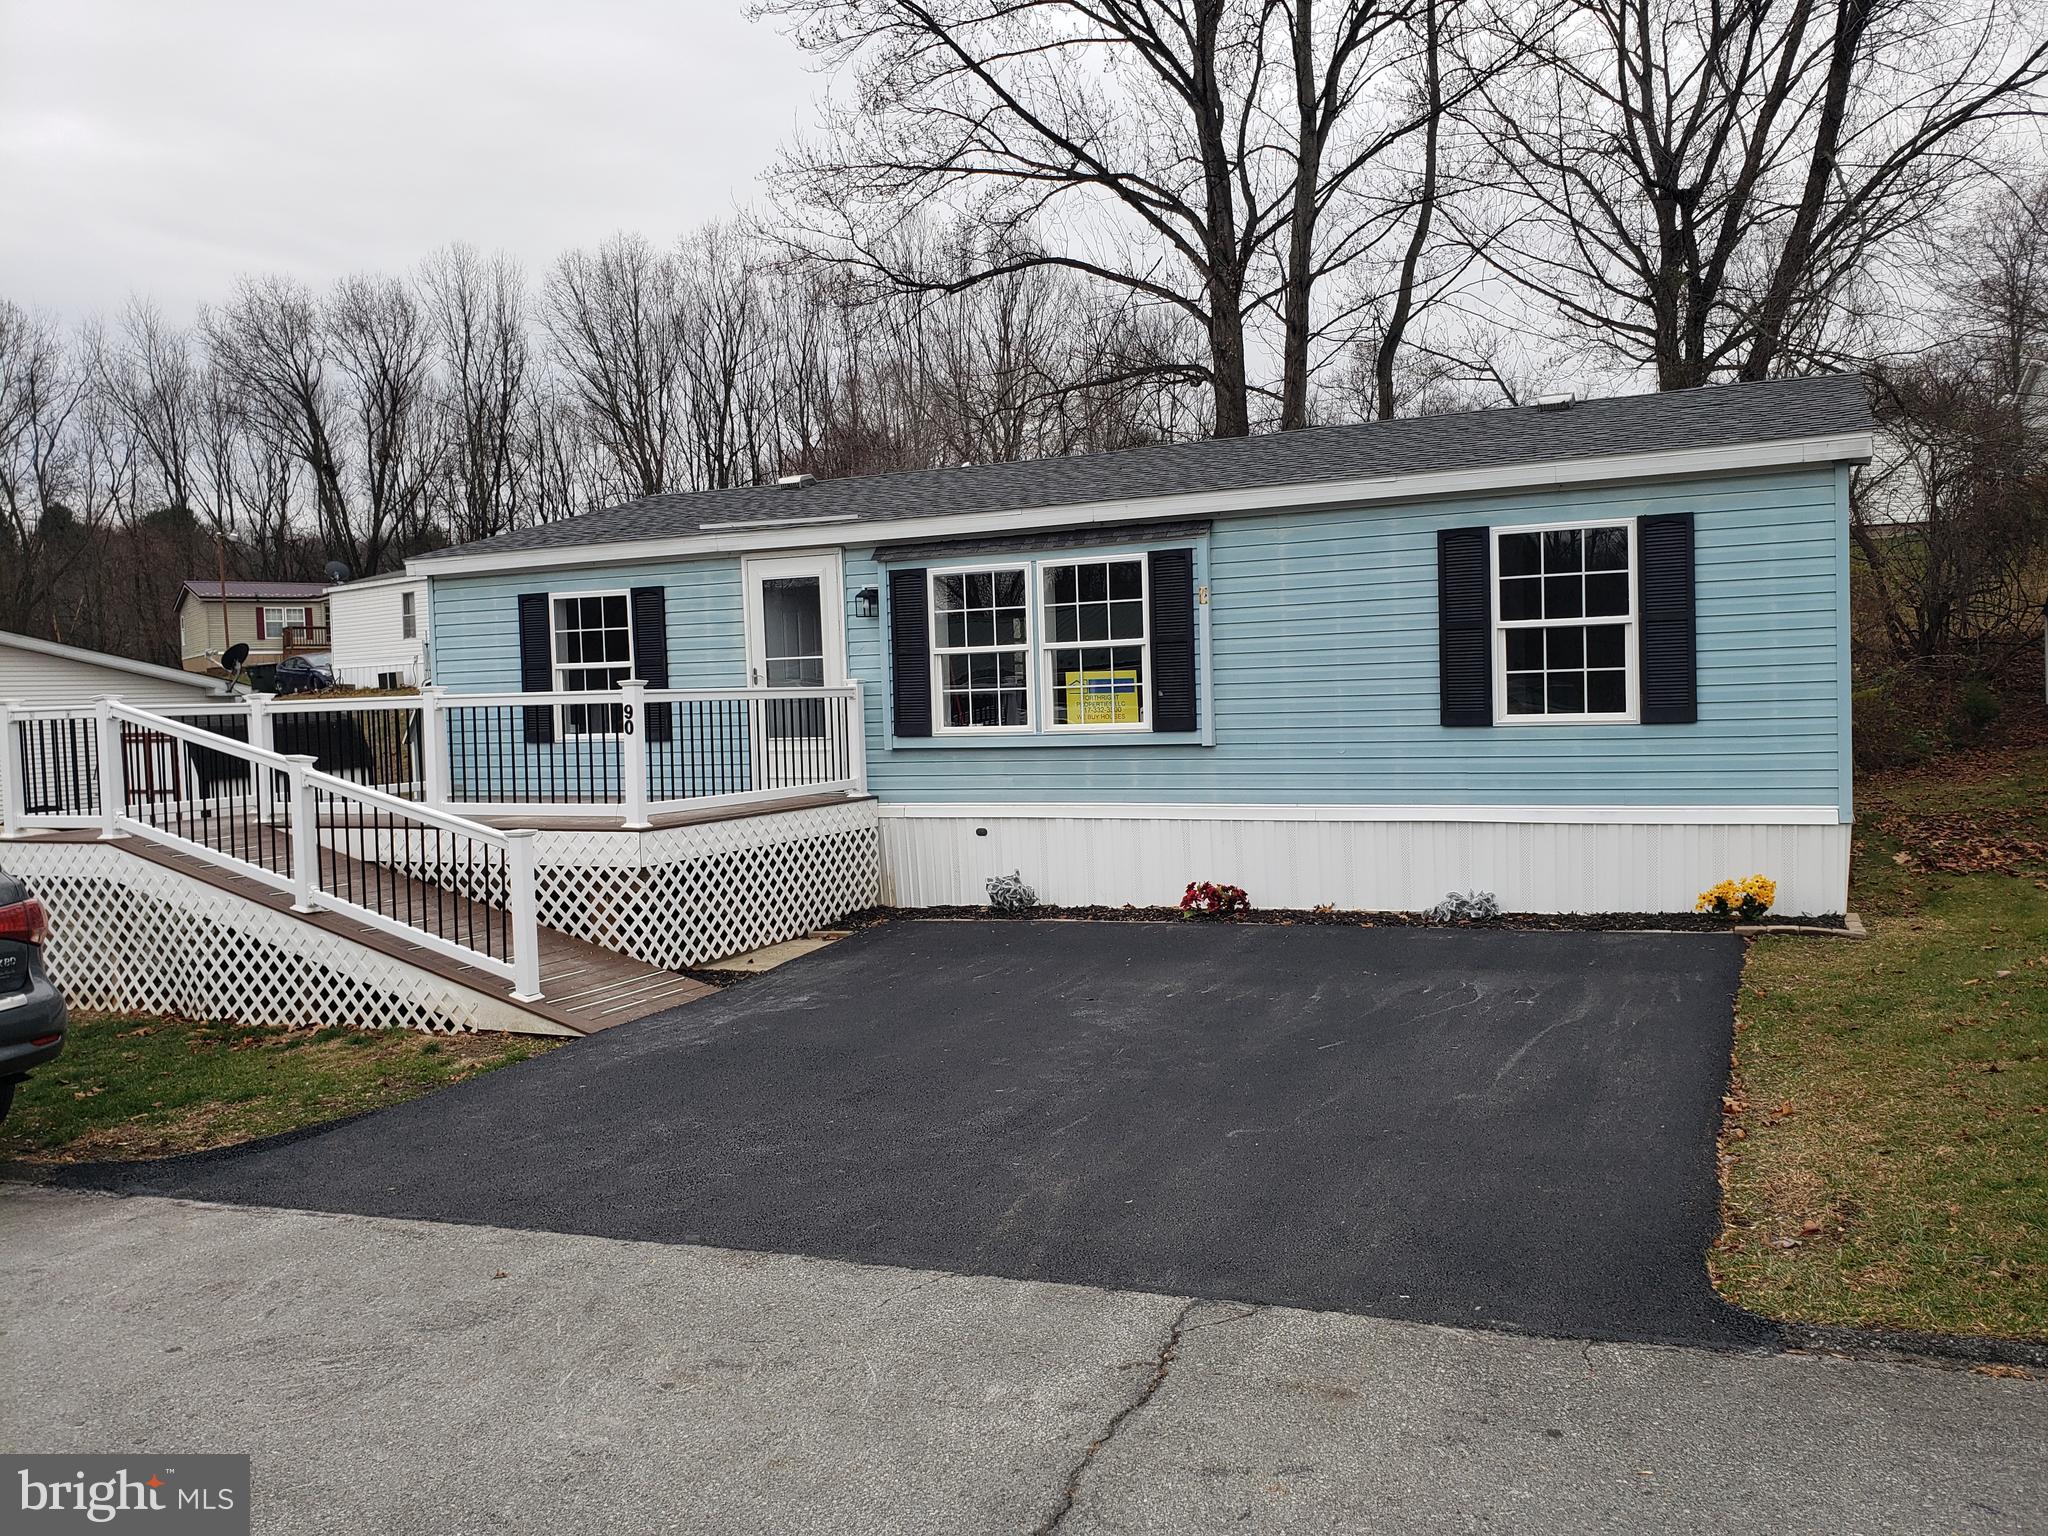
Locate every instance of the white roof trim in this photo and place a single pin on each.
(117, 663)
(388, 579)
(1852, 447)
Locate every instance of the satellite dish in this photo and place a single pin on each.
(338, 572)
(232, 660)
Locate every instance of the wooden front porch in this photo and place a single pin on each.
(478, 839)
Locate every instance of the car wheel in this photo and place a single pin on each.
(7, 1096)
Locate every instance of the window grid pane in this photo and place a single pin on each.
(593, 654)
(1549, 583)
(981, 635)
(1100, 682)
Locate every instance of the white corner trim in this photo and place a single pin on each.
(1567, 815)
(1687, 463)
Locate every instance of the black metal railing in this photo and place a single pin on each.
(215, 800)
(60, 765)
(532, 754)
(699, 747)
(377, 747)
(430, 878)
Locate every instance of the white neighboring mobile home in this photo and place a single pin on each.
(378, 631)
(44, 674)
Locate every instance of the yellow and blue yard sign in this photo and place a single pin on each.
(1103, 696)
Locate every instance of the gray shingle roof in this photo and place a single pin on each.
(1721, 416)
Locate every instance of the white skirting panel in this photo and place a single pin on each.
(1091, 856)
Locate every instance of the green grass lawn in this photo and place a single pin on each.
(148, 1087)
(1885, 1150)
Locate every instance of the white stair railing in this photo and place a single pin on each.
(438, 880)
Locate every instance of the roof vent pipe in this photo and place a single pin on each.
(1559, 402)
(793, 481)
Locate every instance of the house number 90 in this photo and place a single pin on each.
(629, 718)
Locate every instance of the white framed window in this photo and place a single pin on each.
(981, 648)
(1049, 645)
(593, 653)
(1095, 643)
(276, 621)
(408, 616)
(1564, 620)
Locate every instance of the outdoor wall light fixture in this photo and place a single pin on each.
(867, 603)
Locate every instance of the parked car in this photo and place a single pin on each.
(303, 674)
(32, 1018)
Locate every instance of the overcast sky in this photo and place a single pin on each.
(164, 146)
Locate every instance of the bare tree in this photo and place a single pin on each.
(270, 344)
(1952, 517)
(381, 349)
(1218, 159)
(152, 379)
(1700, 189)
(722, 348)
(476, 309)
(41, 391)
(614, 317)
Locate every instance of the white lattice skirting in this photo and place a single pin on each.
(683, 895)
(679, 896)
(129, 936)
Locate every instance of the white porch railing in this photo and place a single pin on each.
(640, 752)
(436, 879)
(628, 755)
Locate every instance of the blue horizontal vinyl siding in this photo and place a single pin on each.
(1323, 628)
(475, 625)
(1324, 670)
(476, 633)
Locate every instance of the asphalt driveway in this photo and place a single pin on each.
(1511, 1130)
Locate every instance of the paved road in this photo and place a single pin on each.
(1513, 1130)
(418, 1379)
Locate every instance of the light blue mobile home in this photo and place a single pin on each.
(1590, 657)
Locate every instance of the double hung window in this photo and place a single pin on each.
(1564, 623)
(981, 648)
(1052, 645)
(593, 644)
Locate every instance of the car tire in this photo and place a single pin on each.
(7, 1096)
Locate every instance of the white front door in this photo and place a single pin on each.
(796, 638)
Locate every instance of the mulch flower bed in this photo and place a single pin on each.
(1580, 922)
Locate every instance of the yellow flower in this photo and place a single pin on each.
(1749, 897)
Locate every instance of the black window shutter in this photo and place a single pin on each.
(536, 665)
(1664, 604)
(1170, 574)
(650, 657)
(910, 657)
(1464, 625)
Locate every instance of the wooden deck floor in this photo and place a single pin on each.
(584, 988)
